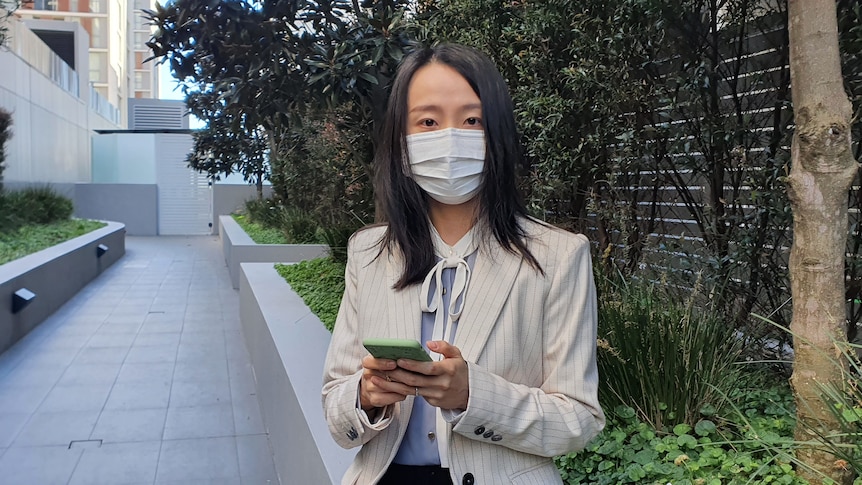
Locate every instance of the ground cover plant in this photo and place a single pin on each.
(320, 284)
(34, 219)
(30, 239)
(258, 232)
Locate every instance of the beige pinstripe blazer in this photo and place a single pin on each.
(530, 344)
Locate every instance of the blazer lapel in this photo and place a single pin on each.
(489, 288)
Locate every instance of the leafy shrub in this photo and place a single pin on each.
(266, 212)
(320, 283)
(337, 238)
(35, 205)
(667, 359)
(298, 227)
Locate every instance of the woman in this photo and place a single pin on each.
(504, 304)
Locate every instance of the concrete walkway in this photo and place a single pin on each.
(142, 378)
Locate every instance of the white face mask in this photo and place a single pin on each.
(447, 164)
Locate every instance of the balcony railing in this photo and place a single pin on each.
(29, 47)
(103, 107)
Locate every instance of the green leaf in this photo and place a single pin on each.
(686, 441)
(704, 427)
(681, 429)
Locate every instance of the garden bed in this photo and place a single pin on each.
(288, 344)
(239, 248)
(53, 275)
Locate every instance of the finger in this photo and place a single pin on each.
(416, 366)
(370, 362)
(393, 387)
(444, 348)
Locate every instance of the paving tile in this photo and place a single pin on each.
(53, 342)
(146, 372)
(75, 398)
(130, 425)
(29, 375)
(199, 422)
(201, 371)
(101, 355)
(151, 354)
(206, 352)
(57, 356)
(23, 399)
(162, 326)
(10, 425)
(199, 393)
(60, 428)
(48, 465)
(247, 418)
(208, 481)
(162, 338)
(198, 459)
(105, 339)
(79, 374)
(256, 463)
(112, 328)
(139, 395)
(117, 463)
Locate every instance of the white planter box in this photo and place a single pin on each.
(239, 248)
(288, 344)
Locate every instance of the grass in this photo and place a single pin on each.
(259, 233)
(32, 238)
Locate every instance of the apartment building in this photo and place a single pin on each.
(117, 48)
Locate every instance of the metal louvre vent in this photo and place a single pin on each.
(157, 117)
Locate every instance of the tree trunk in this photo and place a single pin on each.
(822, 171)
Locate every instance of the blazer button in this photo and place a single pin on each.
(468, 479)
(488, 433)
(479, 430)
(496, 437)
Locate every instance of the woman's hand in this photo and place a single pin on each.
(374, 386)
(444, 384)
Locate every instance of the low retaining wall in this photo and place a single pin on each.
(55, 275)
(239, 248)
(288, 344)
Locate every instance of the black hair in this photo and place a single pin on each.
(405, 204)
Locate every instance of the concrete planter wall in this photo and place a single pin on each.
(288, 344)
(239, 248)
(55, 275)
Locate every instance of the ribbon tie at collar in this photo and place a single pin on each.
(432, 299)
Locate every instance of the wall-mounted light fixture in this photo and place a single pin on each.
(100, 250)
(22, 298)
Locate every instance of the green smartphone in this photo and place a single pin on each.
(393, 348)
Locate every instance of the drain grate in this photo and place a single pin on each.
(85, 444)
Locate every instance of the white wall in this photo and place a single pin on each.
(124, 158)
(51, 127)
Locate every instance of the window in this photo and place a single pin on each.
(98, 39)
(99, 67)
(142, 4)
(141, 39)
(97, 6)
(45, 5)
(142, 81)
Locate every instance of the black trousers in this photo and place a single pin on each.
(415, 475)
